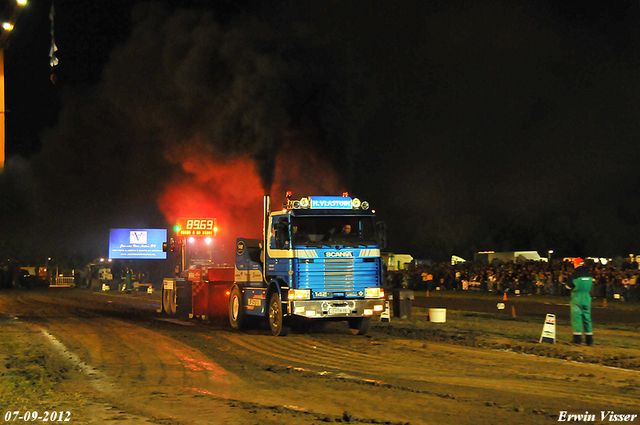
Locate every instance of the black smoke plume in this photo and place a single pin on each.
(182, 82)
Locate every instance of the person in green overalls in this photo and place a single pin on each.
(580, 283)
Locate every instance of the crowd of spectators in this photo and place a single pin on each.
(610, 279)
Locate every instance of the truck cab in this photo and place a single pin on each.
(319, 260)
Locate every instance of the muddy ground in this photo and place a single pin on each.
(118, 360)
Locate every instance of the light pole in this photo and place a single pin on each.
(550, 252)
(7, 27)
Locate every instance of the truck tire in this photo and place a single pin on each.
(360, 325)
(168, 301)
(237, 315)
(276, 316)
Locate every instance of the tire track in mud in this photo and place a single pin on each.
(63, 314)
(377, 360)
(175, 375)
(313, 353)
(145, 368)
(452, 369)
(414, 374)
(383, 379)
(134, 367)
(146, 373)
(192, 377)
(98, 340)
(152, 374)
(187, 394)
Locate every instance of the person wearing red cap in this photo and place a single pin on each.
(580, 284)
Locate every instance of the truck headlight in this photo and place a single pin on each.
(299, 294)
(373, 293)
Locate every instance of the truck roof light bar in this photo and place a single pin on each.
(325, 202)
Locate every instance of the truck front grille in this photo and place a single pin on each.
(338, 274)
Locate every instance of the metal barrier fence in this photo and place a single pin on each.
(65, 280)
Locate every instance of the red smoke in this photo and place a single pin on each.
(231, 191)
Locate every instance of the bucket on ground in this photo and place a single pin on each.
(438, 315)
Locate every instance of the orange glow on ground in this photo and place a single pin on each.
(198, 365)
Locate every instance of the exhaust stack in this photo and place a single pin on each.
(265, 236)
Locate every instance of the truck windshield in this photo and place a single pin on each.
(328, 230)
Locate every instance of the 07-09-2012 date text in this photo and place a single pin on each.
(32, 416)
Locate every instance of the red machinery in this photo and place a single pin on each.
(200, 287)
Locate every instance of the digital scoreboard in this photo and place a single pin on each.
(196, 227)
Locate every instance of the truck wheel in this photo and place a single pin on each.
(360, 325)
(276, 316)
(168, 301)
(236, 309)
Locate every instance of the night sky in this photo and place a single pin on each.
(468, 126)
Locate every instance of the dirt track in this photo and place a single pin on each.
(131, 367)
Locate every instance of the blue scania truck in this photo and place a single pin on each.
(319, 260)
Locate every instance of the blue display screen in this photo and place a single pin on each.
(137, 244)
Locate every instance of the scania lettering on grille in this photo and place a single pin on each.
(340, 254)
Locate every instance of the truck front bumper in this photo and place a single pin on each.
(334, 308)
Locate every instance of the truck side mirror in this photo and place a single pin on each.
(169, 246)
(381, 234)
